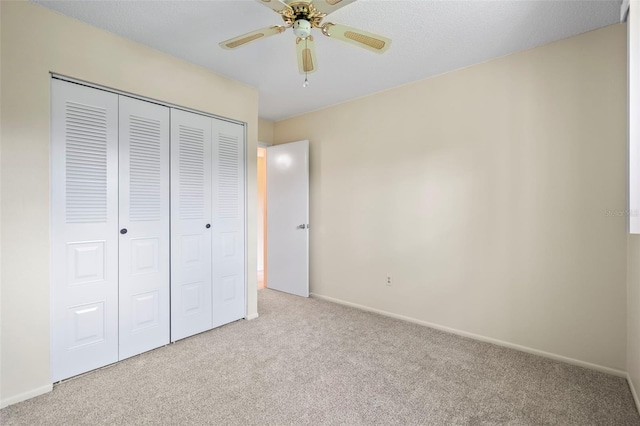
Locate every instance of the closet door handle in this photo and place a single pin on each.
(123, 231)
(208, 225)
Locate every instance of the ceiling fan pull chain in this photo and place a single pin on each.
(306, 73)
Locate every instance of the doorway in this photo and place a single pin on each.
(262, 217)
(283, 217)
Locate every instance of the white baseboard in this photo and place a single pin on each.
(26, 395)
(526, 349)
(252, 316)
(633, 392)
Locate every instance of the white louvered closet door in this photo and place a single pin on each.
(144, 226)
(191, 301)
(84, 215)
(228, 222)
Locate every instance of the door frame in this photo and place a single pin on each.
(264, 145)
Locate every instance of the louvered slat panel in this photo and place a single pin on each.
(143, 286)
(86, 163)
(228, 223)
(228, 177)
(84, 229)
(191, 172)
(145, 178)
(191, 260)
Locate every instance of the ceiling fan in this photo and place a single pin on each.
(303, 16)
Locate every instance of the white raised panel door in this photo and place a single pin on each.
(228, 222)
(144, 226)
(191, 299)
(288, 218)
(84, 219)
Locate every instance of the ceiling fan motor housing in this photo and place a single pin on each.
(302, 28)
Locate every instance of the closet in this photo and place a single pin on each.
(148, 226)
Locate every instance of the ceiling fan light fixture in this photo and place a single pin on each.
(302, 28)
(302, 16)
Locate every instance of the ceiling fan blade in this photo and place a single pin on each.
(275, 5)
(252, 36)
(306, 55)
(329, 6)
(374, 42)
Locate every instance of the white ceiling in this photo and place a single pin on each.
(429, 38)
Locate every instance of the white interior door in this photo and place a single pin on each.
(228, 222)
(144, 226)
(191, 261)
(288, 218)
(84, 218)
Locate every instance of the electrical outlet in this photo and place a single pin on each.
(388, 280)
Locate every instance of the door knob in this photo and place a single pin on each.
(123, 231)
(208, 225)
(303, 226)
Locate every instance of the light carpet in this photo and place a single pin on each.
(307, 361)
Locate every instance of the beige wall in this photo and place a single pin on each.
(633, 307)
(483, 193)
(265, 131)
(34, 42)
